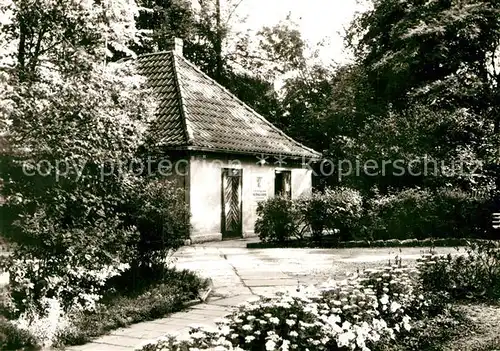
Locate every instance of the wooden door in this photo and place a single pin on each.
(231, 225)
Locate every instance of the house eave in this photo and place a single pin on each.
(304, 157)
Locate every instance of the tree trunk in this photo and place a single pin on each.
(218, 42)
(21, 51)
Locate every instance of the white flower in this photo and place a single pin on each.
(285, 345)
(334, 318)
(346, 325)
(270, 345)
(198, 335)
(247, 327)
(290, 322)
(294, 334)
(406, 323)
(384, 300)
(395, 306)
(374, 336)
(345, 338)
(249, 338)
(274, 320)
(224, 329)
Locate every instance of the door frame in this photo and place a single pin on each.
(224, 232)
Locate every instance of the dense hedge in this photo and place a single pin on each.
(330, 241)
(339, 217)
(421, 214)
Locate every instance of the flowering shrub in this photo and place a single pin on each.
(46, 325)
(355, 314)
(475, 274)
(399, 291)
(74, 286)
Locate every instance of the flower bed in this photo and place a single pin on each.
(357, 314)
(56, 327)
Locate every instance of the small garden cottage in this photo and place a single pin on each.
(225, 155)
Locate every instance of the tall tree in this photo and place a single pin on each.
(433, 69)
(444, 51)
(72, 123)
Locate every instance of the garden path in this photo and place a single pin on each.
(239, 274)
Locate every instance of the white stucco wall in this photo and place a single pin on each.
(205, 192)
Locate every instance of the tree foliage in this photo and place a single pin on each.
(445, 51)
(432, 70)
(72, 125)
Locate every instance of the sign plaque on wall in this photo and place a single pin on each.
(259, 188)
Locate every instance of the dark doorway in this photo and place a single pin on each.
(231, 221)
(283, 183)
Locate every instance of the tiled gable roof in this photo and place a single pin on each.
(197, 113)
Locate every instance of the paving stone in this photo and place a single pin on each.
(118, 340)
(270, 282)
(155, 334)
(132, 332)
(183, 333)
(144, 330)
(145, 326)
(261, 275)
(209, 306)
(185, 316)
(171, 323)
(209, 313)
(193, 319)
(100, 347)
(233, 291)
(234, 301)
(269, 291)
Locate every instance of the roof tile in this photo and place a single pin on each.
(197, 112)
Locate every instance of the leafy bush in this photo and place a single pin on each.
(334, 209)
(64, 184)
(421, 214)
(162, 217)
(75, 278)
(14, 338)
(404, 215)
(165, 293)
(473, 275)
(281, 219)
(278, 220)
(461, 215)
